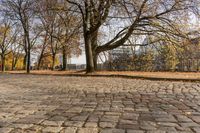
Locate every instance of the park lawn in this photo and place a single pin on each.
(162, 75)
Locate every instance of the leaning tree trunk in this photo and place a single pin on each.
(40, 60)
(14, 63)
(39, 63)
(42, 52)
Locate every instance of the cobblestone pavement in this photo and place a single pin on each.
(35, 104)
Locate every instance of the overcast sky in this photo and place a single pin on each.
(80, 60)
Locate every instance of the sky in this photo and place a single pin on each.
(79, 60)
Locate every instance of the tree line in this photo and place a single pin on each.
(162, 57)
(49, 27)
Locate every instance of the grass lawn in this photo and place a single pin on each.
(161, 75)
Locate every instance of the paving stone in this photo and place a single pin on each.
(87, 130)
(73, 124)
(31, 119)
(129, 126)
(3, 124)
(127, 122)
(196, 119)
(166, 119)
(91, 124)
(69, 130)
(110, 118)
(75, 104)
(135, 131)
(168, 129)
(36, 128)
(79, 118)
(158, 131)
(58, 118)
(107, 124)
(196, 129)
(52, 123)
(183, 118)
(112, 131)
(52, 129)
(189, 124)
(130, 116)
(17, 130)
(184, 129)
(113, 113)
(148, 125)
(5, 130)
(168, 124)
(21, 126)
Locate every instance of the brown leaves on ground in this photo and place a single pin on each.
(167, 75)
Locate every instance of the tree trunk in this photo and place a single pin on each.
(94, 46)
(25, 62)
(28, 62)
(95, 58)
(89, 55)
(39, 63)
(27, 57)
(13, 63)
(42, 52)
(2, 63)
(40, 60)
(88, 39)
(29, 54)
(64, 65)
(53, 62)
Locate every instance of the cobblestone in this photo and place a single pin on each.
(56, 104)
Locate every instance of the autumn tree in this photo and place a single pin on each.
(70, 37)
(4, 44)
(134, 17)
(16, 52)
(8, 34)
(50, 22)
(42, 48)
(60, 28)
(22, 11)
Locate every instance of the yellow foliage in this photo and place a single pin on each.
(4, 31)
(47, 61)
(20, 65)
(8, 62)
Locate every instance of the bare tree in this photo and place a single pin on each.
(134, 18)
